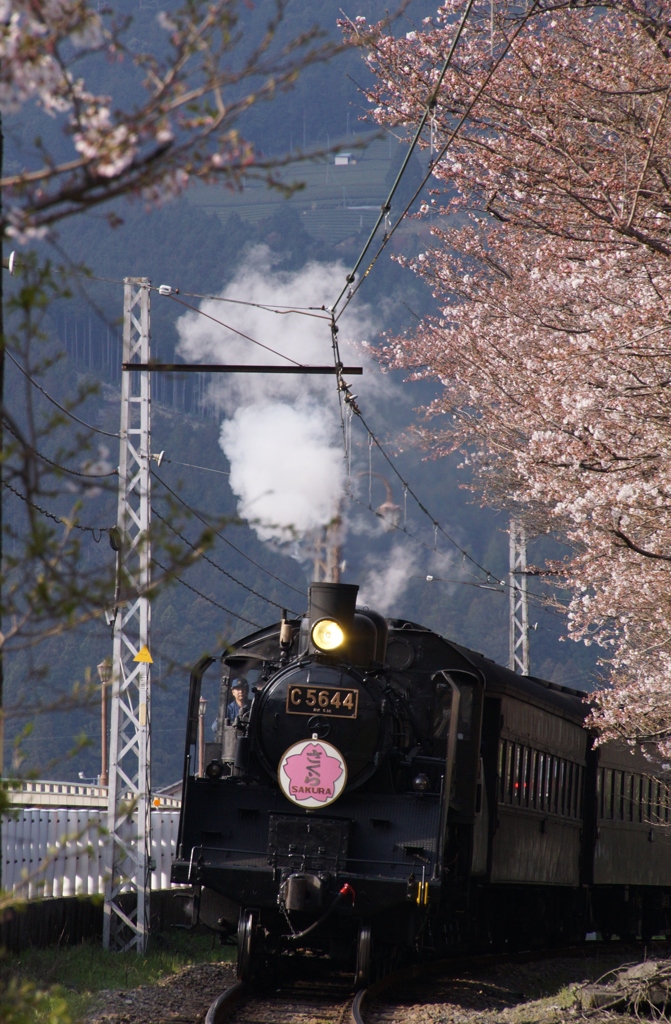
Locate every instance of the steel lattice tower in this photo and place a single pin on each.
(519, 610)
(128, 868)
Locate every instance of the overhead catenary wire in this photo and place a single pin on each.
(318, 312)
(234, 330)
(206, 558)
(351, 292)
(496, 588)
(190, 465)
(59, 519)
(343, 388)
(501, 584)
(225, 539)
(431, 103)
(83, 423)
(420, 504)
(210, 600)
(50, 462)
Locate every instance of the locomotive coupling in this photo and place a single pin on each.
(301, 891)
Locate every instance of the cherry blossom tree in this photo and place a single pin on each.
(211, 62)
(203, 76)
(551, 238)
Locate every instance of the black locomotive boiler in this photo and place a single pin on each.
(374, 788)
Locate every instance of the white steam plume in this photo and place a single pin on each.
(286, 467)
(382, 588)
(282, 433)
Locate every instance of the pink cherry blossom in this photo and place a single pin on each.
(184, 120)
(549, 258)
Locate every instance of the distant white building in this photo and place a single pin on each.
(342, 159)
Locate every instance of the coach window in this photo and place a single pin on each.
(533, 774)
(577, 792)
(571, 788)
(619, 796)
(517, 773)
(610, 793)
(526, 768)
(501, 769)
(549, 769)
(541, 780)
(626, 796)
(570, 774)
(643, 799)
(555, 785)
(510, 773)
(562, 787)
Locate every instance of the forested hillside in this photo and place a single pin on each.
(203, 243)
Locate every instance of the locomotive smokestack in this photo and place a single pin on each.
(335, 601)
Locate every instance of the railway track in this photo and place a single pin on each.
(299, 1001)
(330, 999)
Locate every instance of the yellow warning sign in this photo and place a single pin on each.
(144, 656)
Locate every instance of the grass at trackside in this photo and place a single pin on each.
(78, 973)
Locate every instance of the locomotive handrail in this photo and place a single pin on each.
(195, 683)
(449, 764)
(350, 860)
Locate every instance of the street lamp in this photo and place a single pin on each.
(104, 674)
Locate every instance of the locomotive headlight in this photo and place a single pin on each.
(327, 635)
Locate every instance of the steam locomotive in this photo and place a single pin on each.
(375, 789)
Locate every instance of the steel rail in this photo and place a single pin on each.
(221, 1006)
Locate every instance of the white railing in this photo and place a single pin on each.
(41, 793)
(59, 851)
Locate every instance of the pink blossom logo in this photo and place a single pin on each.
(312, 773)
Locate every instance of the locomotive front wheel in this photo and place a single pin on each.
(246, 945)
(364, 957)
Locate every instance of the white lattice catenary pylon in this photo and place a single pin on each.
(128, 867)
(519, 608)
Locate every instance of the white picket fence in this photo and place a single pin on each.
(59, 851)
